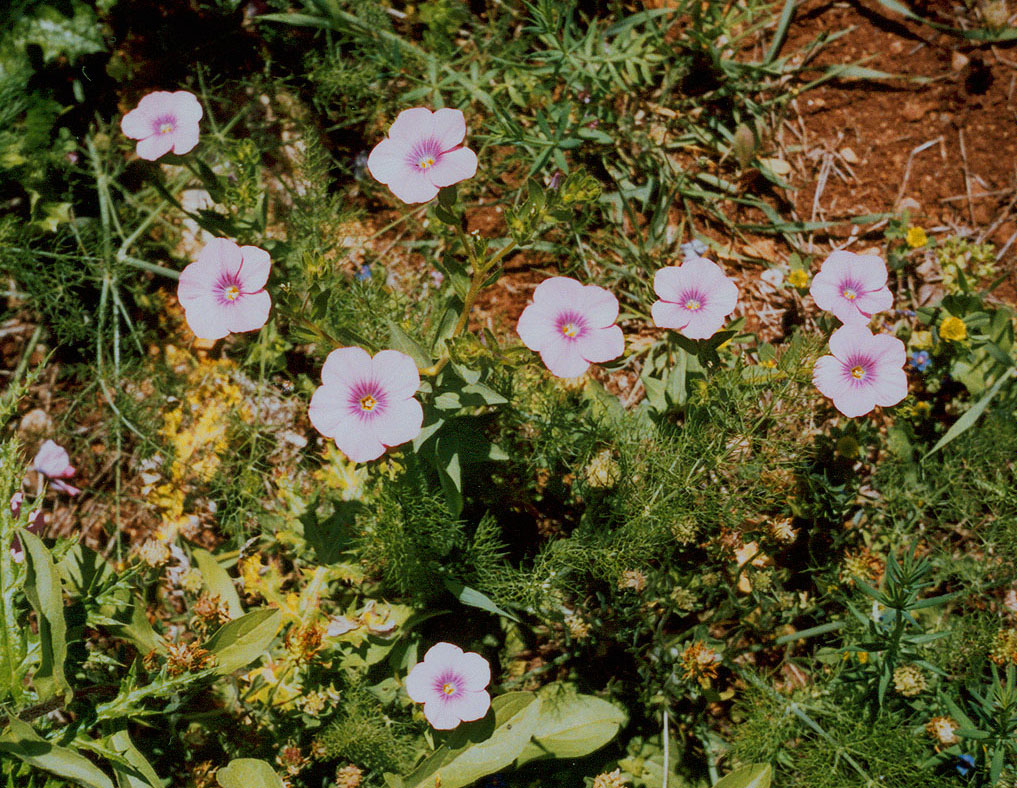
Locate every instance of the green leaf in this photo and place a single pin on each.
(24, 743)
(140, 774)
(480, 748)
(218, 581)
(248, 773)
(42, 587)
(968, 419)
(331, 536)
(571, 726)
(758, 775)
(238, 643)
(474, 598)
(403, 342)
(139, 631)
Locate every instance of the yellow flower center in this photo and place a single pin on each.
(448, 689)
(165, 128)
(857, 373)
(232, 292)
(427, 161)
(368, 403)
(850, 294)
(693, 305)
(570, 329)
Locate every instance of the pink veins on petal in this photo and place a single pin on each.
(695, 298)
(852, 287)
(863, 371)
(571, 325)
(367, 404)
(451, 684)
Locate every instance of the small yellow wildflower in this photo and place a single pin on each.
(700, 662)
(909, 681)
(349, 776)
(921, 340)
(154, 552)
(916, 237)
(799, 278)
(602, 471)
(634, 579)
(922, 409)
(250, 570)
(609, 780)
(953, 329)
(943, 730)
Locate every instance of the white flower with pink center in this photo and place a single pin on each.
(695, 298)
(852, 286)
(223, 291)
(366, 404)
(571, 325)
(53, 462)
(451, 684)
(864, 371)
(163, 121)
(422, 153)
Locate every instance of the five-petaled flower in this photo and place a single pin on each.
(52, 462)
(422, 153)
(223, 291)
(864, 371)
(451, 684)
(953, 329)
(696, 297)
(571, 325)
(366, 404)
(852, 286)
(163, 121)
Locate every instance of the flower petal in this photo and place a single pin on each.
(666, 314)
(470, 706)
(186, 107)
(598, 306)
(151, 148)
(346, 365)
(452, 167)
(416, 187)
(441, 714)
(536, 326)
(849, 340)
(564, 358)
(602, 344)
(889, 386)
(328, 409)
(420, 681)
(828, 376)
(875, 301)
(412, 125)
(196, 283)
(397, 373)
(868, 270)
(401, 422)
(669, 282)
(558, 291)
(222, 255)
(890, 350)
(703, 324)
(185, 138)
(356, 438)
(138, 123)
(475, 670)
(388, 161)
(449, 127)
(249, 312)
(254, 268)
(206, 318)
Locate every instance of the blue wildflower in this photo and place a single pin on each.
(965, 763)
(694, 248)
(363, 273)
(920, 360)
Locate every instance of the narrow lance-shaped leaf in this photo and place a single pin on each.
(42, 587)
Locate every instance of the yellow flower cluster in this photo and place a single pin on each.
(909, 681)
(953, 329)
(195, 433)
(916, 237)
(798, 278)
(700, 662)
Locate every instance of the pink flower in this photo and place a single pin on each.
(696, 297)
(852, 286)
(422, 153)
(52, 461)
(162, 121)
(451, 685)
(864, 371)
(223, 291)
(571, 325)
(366, 404)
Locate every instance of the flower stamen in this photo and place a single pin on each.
(165, 128)
(850, 294)
(426, 162)
(232, 293)
(693, 305)
(571, 330)
(448, 688)
(368, 403)
(857, 372)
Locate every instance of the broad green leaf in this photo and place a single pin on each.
(480, 748)
(240, 642)
(24, 743)
(758, 775)
(571, 725)
(139, 630)
(140, 773)
(218, 581)
(42, 587)
(474, 598)
(248, 773)
(968, 419)
(403, 342)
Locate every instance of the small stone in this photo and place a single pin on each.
(958, 61)
(36, 421)
(914, 110)
(849, 156)
(909, 204)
